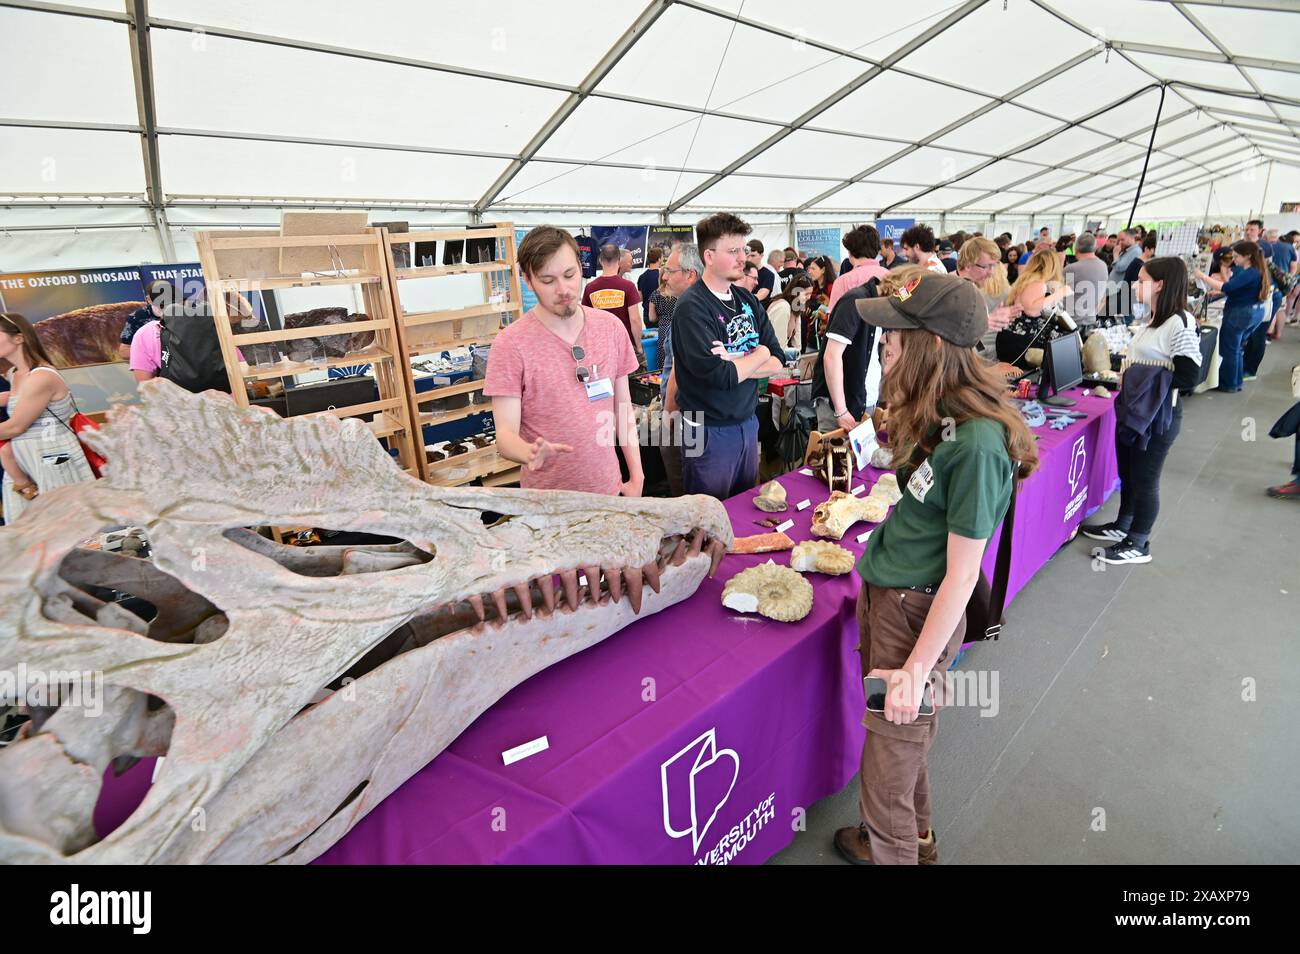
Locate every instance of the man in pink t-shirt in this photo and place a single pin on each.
(558, 380)
(863, 245)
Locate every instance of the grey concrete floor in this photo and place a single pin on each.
(1127, 730)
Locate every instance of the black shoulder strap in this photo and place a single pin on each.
(1002, 569)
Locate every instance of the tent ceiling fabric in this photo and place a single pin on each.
(653, 105)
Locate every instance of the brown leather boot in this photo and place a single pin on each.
(854, 845)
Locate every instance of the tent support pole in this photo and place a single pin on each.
(789, 231)
(1147, 160)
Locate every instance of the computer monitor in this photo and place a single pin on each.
(1062, 368)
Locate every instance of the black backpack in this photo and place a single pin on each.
(191, 351)
(792, 441)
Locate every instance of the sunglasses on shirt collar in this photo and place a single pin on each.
(580, 355)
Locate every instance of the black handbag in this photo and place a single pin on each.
(984, 610)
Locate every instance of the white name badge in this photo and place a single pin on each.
(922, 480)
(598, 390)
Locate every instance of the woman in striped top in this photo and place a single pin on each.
(40, 407)
(1171, 341)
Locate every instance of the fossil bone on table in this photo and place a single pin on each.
(292, 689)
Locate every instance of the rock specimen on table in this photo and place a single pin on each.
(886, 488)
(882, 458)
(87, 335)
(833, 516)
(771, 498)
(776, 592)
(761, 543)
(1101, 391)
(821, 556)
(291, 689)
(1096, 353)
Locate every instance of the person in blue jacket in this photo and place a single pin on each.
(1247, 293)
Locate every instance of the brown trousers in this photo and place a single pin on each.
(894, 786)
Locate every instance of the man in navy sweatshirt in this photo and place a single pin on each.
(723, 345)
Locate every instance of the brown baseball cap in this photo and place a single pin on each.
(946, 305)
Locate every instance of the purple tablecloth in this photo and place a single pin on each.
(1077, 472)
(694, 735)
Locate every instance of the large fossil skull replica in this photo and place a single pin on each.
(292, 689)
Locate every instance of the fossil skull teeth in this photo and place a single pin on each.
(776, 592)
(291, 689)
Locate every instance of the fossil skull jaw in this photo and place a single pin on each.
(264, 742)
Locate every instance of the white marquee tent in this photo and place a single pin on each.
(125, 125)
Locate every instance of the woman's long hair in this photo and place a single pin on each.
(12, 323)
(1043, 266)
(1011, 261)
(1172, 300)
(828, 275)
(1255, 255)
(931, 372)
(793, 284)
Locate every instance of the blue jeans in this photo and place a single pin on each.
(727, 464)
(1238, 322)
(1257, 341)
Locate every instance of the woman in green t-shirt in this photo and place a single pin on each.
(961, 444)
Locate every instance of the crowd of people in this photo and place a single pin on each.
(924, 326)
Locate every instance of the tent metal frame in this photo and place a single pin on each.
(1274, 139)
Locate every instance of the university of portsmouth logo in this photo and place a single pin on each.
(1078, 468)
(1078, 464)
(696, 784)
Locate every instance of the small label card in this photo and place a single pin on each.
(807, 471)
(520, 752)
(804, 505)
(858, 489)
(785, 526)
(862, 537)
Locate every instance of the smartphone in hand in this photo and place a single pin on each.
(876, 688)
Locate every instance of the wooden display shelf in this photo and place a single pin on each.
(432, 331)
(433, 419)
(385, 425)
(250, 261)
(504, 477)
(418, 350)
(451, 390)
(502, 230)
(267, 284)
(435, 271)
(282, 369)
(415, 319)
(311, 331)
(464, 468)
